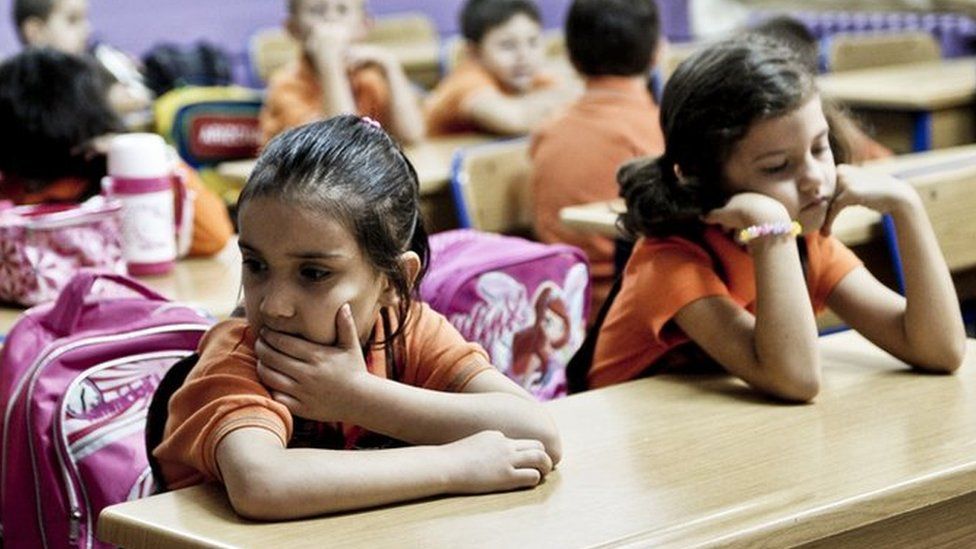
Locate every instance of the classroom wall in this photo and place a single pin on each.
(135, 25)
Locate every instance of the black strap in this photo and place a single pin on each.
(579, 366)
(159, 411)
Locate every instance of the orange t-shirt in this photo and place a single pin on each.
(665, 274)
(575, 160)
(295, 97)
(212, 227)
(444, 108)
(223, 392)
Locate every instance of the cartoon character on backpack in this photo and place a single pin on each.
(532, 337)
(534, 346)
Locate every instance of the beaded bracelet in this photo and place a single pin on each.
(791, 228)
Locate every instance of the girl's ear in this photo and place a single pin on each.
(410, 262)
(679, 173)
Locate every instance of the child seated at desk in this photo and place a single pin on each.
(735, 253)
(55, 122)
(575, 156)
(336, 354)
(501, 86)
(335, 74)
(64, 25)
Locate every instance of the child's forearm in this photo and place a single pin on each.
(337, 95)
(267, 482)
(934, 336)
(785, 335)
(422, 416)
(407, 120)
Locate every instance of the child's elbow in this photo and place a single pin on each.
(800, 389)
(256, 497)
(949, 358)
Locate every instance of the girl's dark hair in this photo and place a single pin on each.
(479, 17)
(51, 104)
(709, 104)
(347, 168)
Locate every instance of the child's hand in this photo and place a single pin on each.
(314, 381)
(747, 209)
(327, 42)
(360, 55)
(860, 187)
(489, 462)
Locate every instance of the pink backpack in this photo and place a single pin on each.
(76, 377)
(524, 302)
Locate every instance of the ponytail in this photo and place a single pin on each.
(658, 203)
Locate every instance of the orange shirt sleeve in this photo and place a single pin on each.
(673, 274)
(221, 394)
(830, 261)
(212, 227)
(294, 98)
(437, 356)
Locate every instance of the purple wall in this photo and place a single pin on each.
(135, 25)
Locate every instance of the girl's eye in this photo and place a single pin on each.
(775, 169)
(314, 274)
(253, 266)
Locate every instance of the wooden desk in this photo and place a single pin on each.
(431, 158)
(912, 107)
(210, 283)
(927, 171)
(884, 455)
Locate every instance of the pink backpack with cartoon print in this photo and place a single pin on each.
(524, 302)
(76, 378)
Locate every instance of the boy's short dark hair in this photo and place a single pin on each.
(51, 104)
(24, 9)
(478, 17)
(793, 34)
(612, 37)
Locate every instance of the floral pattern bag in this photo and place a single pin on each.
(43, 246)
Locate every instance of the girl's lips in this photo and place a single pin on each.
(821, 201)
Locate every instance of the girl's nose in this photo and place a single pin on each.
(277, 303)
(810, 179)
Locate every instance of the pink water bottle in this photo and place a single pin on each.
(140, 175)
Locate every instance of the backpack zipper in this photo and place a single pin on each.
(67, 465)
(52, 352)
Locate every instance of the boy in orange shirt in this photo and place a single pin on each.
(336, 75)
(576, 155)
(500, 86)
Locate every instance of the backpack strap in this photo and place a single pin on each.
(158, 412)
(579, 366)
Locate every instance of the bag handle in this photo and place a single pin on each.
(67, 309)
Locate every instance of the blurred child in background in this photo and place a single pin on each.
(500, 87)
(338, 75)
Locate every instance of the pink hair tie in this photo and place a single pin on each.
(371, 122)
